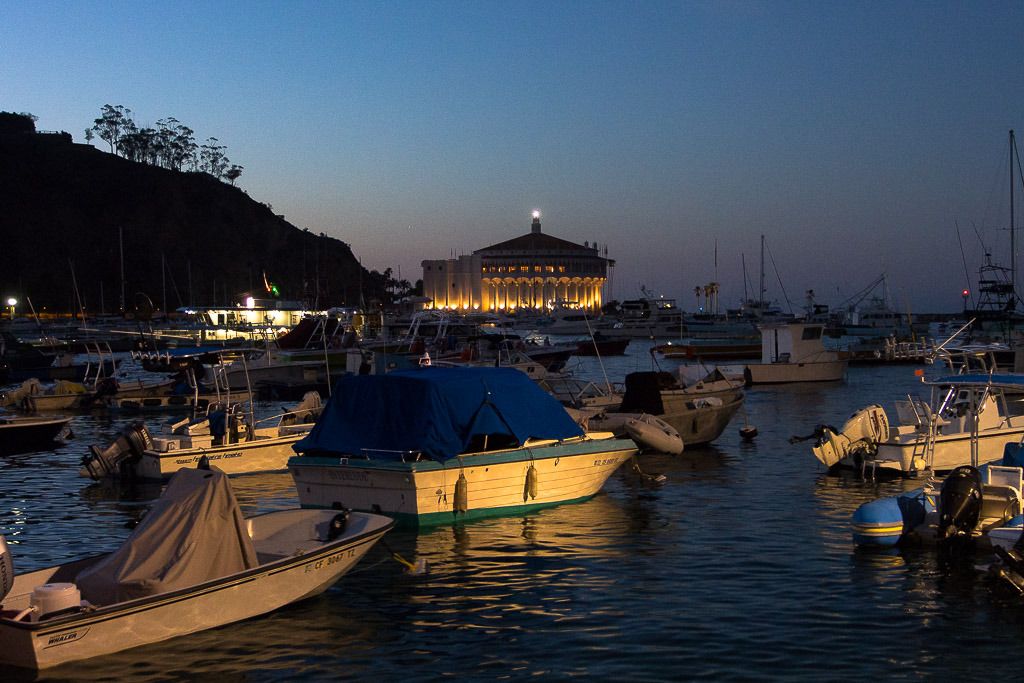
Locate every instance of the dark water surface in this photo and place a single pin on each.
(740, 566)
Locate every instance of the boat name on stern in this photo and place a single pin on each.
(210, 458)
(346, 475)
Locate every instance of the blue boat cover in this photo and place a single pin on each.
(436, 411)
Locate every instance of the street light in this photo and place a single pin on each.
(11, 303)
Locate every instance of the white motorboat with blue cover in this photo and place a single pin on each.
(438, 445)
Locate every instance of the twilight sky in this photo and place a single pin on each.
(856, 136)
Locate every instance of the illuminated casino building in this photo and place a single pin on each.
(530, 272)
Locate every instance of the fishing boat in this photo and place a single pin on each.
(438, 445)
(794, 352)
(697, 417)
(24, 434)
(226, 436)
(982, 411)
(193, 563)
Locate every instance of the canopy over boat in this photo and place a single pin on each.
(435, 411)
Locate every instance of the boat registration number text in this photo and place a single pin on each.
(329, 560)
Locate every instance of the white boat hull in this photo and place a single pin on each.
(496, 482)
(782, 373)
(951, 451)
(259, 455)
(298, 575)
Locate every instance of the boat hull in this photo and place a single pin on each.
(496, 483)
(244, 457)
(951, 451)
(86, 634)
(26, 434)
(699, 419)
(886, 521)
(784, 373)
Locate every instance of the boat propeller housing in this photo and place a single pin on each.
(860, 435)
(960, 502)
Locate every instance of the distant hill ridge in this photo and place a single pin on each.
(65, 203)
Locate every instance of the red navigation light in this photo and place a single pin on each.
(966, 293)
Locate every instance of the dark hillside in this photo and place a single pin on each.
(63, 203)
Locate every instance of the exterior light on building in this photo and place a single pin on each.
(536, 213)
(250, 302)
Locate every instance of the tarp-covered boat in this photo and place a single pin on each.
(435, 445)
(193, 563)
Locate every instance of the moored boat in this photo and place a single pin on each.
(440, 445)
(965, 412)
(23, 434)
(226, 436)
(697, 418)
(967, 504)
(193, 563)
(794, 352)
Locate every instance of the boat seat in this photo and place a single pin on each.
(288, 542)
(999, 502)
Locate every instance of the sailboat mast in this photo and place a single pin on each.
(1013, 231)
(120, 243)
(760, 294)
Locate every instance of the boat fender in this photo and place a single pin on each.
(530, 488)
(337, 525)
(6, 569)
(960, 502)
(461, 503)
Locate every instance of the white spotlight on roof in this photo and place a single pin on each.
(536, 213)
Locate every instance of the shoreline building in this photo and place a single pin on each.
(533, 272)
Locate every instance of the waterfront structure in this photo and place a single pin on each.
(530, 272)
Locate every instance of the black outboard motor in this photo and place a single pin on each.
(960, 502)
(114, 461)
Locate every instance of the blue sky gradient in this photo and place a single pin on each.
(856, 136)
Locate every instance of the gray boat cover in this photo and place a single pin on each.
(194, 533)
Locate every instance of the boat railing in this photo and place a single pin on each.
(405, 456)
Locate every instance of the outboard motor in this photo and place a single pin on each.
(6, 569)
(127, 449)
(960, 502)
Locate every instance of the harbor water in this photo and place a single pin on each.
(738, 566)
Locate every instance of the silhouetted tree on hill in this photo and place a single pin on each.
(114, 121)
(170, 145)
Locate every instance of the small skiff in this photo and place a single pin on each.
(193, 563)
(26, 434)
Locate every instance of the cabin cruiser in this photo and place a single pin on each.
(437, 445)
